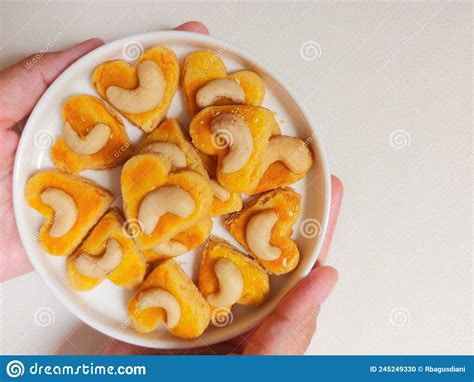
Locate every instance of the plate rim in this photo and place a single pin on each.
(18, 192)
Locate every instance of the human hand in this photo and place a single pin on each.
(21, 86)
(291, 326)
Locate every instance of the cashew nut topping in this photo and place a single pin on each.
(170, 248)
(219, 88)
(165, 199)
(93, 142)
(219, 192)
(240, 141)
(159, 298)
(169, 150)
(100, 266)
(65, 210)
(231, 284)
(293, 152)
(148, 94)
(258, 235)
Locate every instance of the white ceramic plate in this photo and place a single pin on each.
(104, 308)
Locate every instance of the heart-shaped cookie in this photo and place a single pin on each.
(205, 82)
(221, 263)
(264, 228)
(285, 161)
(161, 202)
(238, 135)
(71, 206)
(108, 252)
(93, 138)
(143, 92)
(169, 296)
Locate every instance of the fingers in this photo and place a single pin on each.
(289, 329)
(193, 26)
(55, 63)
(23, 84)
(337, 193)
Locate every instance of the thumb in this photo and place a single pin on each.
(290, 328)
(22, 84)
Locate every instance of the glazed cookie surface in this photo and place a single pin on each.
(162, 202)
(264, 228)
(230, 276)
(285, 161)
(71, 206)
(108, 252)
(142, 92)
(205, 83)
(93, 138)
(168, 296)
(238, 137)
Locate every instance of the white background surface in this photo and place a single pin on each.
(403, 243)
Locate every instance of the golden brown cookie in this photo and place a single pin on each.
(71, 206)
(93, 138)
(162, 202)
(264, 227)
(142, 92)
(205, 83)
(169, 296)
(238, 136)
(108, 252)
(231, 277)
